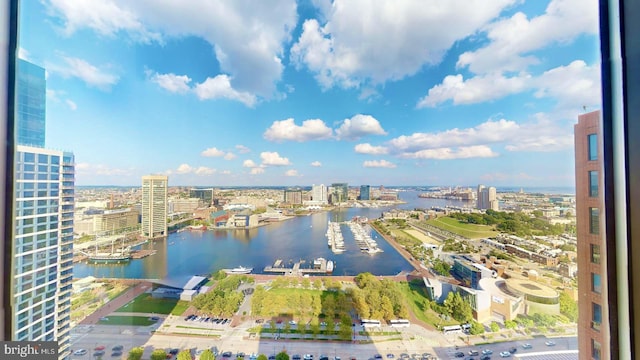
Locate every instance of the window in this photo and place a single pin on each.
(596, 350)
(593, 147)
(596, 286)
(596, 316)
(593, 183)
(595, 253)
(594, 221)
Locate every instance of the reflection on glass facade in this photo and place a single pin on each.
(31, 104)
(365, 192)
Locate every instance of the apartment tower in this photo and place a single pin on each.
(487, 198)
(43, 225)
(593, 333)
(154, 205)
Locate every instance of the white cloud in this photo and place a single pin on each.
(291, 173)
(273, 159)
(463, 152)
(229, 156)
(83, 70)
(287, 130)
(203, 170)
(316, 164)
(512, 40)
(358, 126)
(226, 172)
(184, 169)
(379, 164)
(257, 170)
(367, 148)
(242, 149)
(212, 152)
(540, 134)
(219, 87)
(247, 37)
(374, 41)
(72, 105)
(474, 90)
(172, 82)
(188, 169)
(574, 85)
(249, 164)
(105, 17)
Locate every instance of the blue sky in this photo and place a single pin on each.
(429, 92)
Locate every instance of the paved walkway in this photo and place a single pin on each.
(116, 303)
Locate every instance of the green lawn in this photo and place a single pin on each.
(127, 320)
(147, 304)
(415, 297)
(471, 231)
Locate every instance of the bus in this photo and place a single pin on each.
(370, 323)
(399, 323)
(451, 329)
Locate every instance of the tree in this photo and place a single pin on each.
(135, 353)
(317, 284)
(184, 355)
(282, 356)
(494, 326)
(344, 331)
(457, 307)
(510, 324)
(207, 355)
(568, 307)
(158, 354)
(306, 283)
(262, 357)
(476, 328)
(331, 326)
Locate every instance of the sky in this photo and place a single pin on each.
(286, 93)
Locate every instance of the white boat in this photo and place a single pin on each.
(329, 266)
(238, 270)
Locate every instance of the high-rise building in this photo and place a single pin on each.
(43, 225)
(154, 205)
(340, 192)
(593, 332)
(487, 198)
(206, 195)
(293, 196)
(43, 246)
(31, 104)
(319, 194)
(365, 192)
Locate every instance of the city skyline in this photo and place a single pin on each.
(315, 92)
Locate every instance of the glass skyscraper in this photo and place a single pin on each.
(43, 222)
(31, 104)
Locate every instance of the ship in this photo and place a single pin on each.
(109, 257)
(238, 270)
(329, 266)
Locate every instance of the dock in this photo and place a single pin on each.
(320, 266)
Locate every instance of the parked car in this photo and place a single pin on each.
(80, 352)
(459, 354)
(296, 357)
(485, 357)
(526, 346)
(390, 356)
(505, 354)
(550, 343)
(474, 352)
(487, 352)
(116, 353)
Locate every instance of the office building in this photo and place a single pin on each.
(154, 205)
(293, 196)
(319, 194)
(31, 104)
(593, 319)
(206, 195)
(487, 198)
(365, 192)
(179, 205)
(339, 192)
(43, 246)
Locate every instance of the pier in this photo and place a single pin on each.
(321, 266)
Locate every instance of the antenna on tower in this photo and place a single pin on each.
(584, 108)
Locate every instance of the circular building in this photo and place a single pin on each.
(538, 297)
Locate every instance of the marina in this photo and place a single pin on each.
(335, 239)
(319, 266)
(363, 238)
